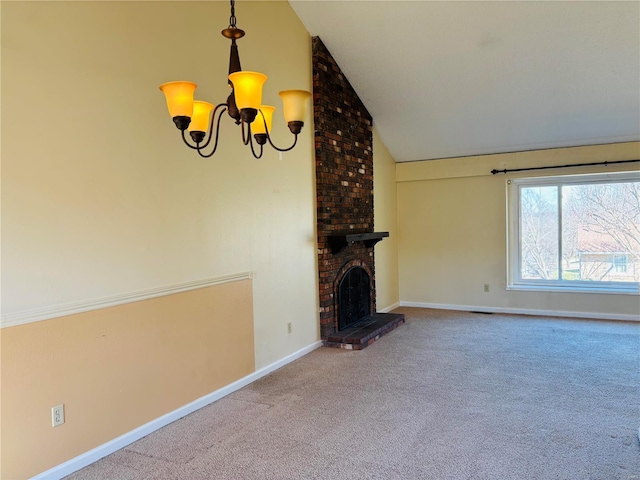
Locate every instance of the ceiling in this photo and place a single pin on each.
(450, 79)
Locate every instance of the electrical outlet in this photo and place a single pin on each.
(486, 288)
(57, 415)
(289, 329)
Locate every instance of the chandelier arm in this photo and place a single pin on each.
(252, 149)
(246, 137)
(186, 142)
(266, 129)
(283, 149)
(215, 143)
(213, 120)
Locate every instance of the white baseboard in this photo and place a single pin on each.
(524, 311)
(87, 458)
(390, 308)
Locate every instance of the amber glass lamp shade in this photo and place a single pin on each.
(258, 125)
(201, 114)
(295, 104)
(179, 96)
(247, 88)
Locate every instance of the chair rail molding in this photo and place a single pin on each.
(35, 315)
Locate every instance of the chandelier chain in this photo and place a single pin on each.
(232, 19)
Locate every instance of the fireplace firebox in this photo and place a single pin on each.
(354, 297)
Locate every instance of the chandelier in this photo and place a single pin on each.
(244, 106)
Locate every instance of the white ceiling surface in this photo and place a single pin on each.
(448, 79)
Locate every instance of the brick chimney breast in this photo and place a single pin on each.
(344, 179)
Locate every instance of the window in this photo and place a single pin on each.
(575, 233)
(620, 263)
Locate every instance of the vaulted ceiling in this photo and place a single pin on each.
(449, 79)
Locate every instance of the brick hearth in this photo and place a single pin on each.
(366, 332)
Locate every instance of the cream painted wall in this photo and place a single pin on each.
(385, 220)
(452, 231)
(99, 195)
(100, 198)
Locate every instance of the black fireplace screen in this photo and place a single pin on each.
(354, 297)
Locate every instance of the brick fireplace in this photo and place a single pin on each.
(344, 189)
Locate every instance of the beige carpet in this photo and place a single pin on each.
(449, 395)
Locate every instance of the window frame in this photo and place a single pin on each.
(514, 270)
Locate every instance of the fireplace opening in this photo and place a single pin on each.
(354, 297)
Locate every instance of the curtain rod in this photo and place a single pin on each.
(494, 171)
